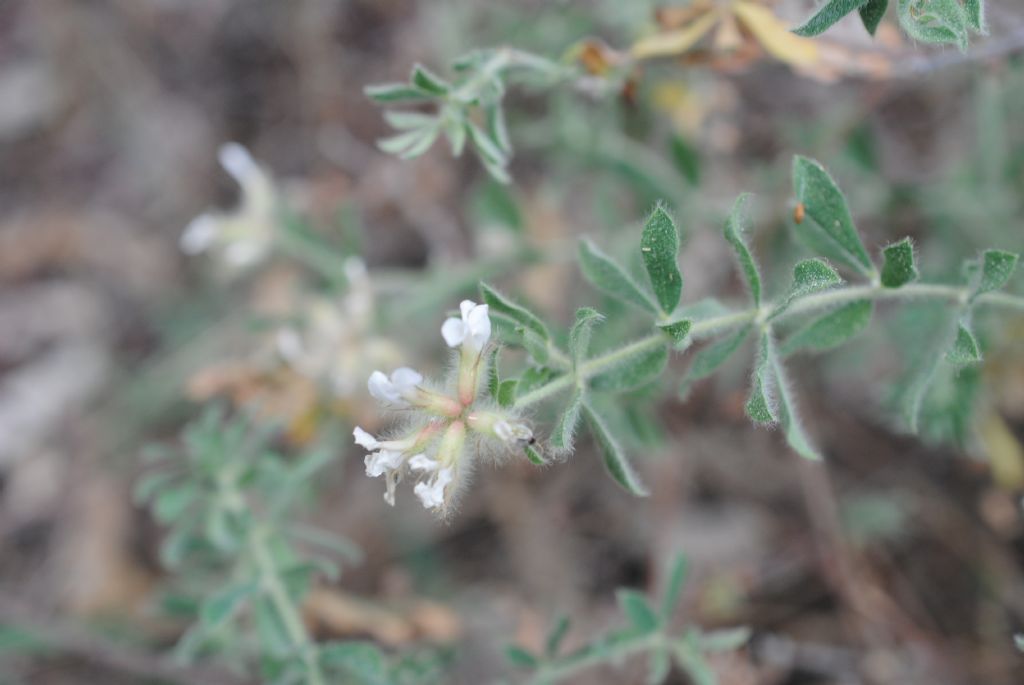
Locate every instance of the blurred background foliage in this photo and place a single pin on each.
(904, 564)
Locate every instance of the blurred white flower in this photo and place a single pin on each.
(241, 237)
(397, 389)
(335, 342)
(472, 331)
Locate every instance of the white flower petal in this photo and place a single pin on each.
(364, 439)
(432, 494)
(422, 462)
(241, 254)
(479, 324)
(199, 235)
(453, 331)
(405, 379)
(379, 463)
(380, 386)
(237, 161)
(466, 306)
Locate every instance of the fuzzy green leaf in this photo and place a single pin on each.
(486, 146)
(659, 247)
(518, 656)
(222, 605)
(555, 637)
(493, 376)
(997, 266)
(975, 10)
(632, 371)
(659, 664)
(565, 429)
(391, 93)
(711, 357)
(965, 349)
(151, 483)
(506, 396)
(173, 502)
(693, 661)
(407, 121)
(899, 268)
(809, 276)
(935, 21)
(735, 229)
(411, 143)
(579, 334)
(825, 207)
(871, 14)
(610, 278)
(427, 80)
(638, 610)
(534, 455)
(677, 330)
(829, 13)
(787, 411)
(725, 640)
(501, 305)
(831, 330)
(363, 661)
(760, 405)
(614, 458)
(812, 276)
(674, 587)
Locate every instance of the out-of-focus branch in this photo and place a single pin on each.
(67, 638)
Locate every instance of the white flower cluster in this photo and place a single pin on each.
(438, 451)
(242, 237)
(335, 341)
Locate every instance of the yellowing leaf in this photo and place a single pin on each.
(1005, 454)
(774, 35)
(674, 42)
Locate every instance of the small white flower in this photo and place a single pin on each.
(364, 439)
(245, 253)
(243, 236)
(422, 462)
(396, 389)
(473, 330)
(432, 493)
(512, 432)
(381, 462)
(237, 161)
(200, 234)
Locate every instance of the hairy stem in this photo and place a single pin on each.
(286, 609)
(716, 325)
(557, 669)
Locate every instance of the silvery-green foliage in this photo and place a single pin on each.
(648, 634)
(824, 306)
(466, 109)
(238, 555)
(928, 21)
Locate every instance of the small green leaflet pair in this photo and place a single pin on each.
(929, 21)
(647, 634)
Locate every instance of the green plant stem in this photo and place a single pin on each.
(286, 609)
(553, 671)
(720, 324)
